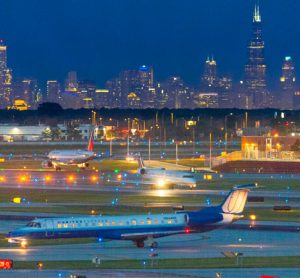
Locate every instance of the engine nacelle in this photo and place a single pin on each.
(143, 171)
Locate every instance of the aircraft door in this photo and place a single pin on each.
(49, 228)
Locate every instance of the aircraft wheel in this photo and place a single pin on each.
(140, 244)
(154, 244)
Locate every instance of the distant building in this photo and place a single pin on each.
(5, 77)
(71, 83)
(19, 104)
(27, 89)
(54, 91)
(86, 90)
(209, 77)
(287, 84)
(207, 100)
(115, 93)
(255, 68)
(22, 133)
(102, 98)
(176, 93)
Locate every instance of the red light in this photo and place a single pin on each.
(6, 264)
(187, 231)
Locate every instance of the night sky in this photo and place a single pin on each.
(100, 38)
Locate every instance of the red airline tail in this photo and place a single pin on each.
(91, 142)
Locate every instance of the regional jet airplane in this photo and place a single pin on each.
(162, 178)
(80, 158)
(137, 228)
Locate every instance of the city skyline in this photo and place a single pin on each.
(183, 55)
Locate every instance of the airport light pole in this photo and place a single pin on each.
(110, 146)
(149, 148)
(176, 151)
(225, 127)
(128, 127)
(210, 139)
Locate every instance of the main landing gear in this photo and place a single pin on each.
(141, 244)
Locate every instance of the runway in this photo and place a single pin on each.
(207, 245)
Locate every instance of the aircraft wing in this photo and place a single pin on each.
(143, 236)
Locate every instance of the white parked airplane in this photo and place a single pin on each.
(163, 178)
(80, 158)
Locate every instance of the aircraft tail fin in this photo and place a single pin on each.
(236, 200)
(141, 162)
(91, 142)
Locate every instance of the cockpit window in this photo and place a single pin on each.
(34, 224)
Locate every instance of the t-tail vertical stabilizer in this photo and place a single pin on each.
(236, 200)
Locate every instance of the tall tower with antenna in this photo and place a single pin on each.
(255, 68)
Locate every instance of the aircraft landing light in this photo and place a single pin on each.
(47, 178)
(71, 178)
(94, 178)
(23, 178)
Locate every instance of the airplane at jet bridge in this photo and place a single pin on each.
(137, 228)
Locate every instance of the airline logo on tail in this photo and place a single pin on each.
(91, 142)
(237, 198)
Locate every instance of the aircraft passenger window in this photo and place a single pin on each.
(59, 226)
(65, 225)
(142, 222)
(169, 221)
(155, 221)
(133, 222)
(113, 223)
(121, 223)
(149, 221)
(162, 221)
(100, 224)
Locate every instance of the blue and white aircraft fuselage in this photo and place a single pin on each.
(137, 228)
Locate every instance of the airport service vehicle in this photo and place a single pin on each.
(137, 228)
(162, 178)
(80, 158)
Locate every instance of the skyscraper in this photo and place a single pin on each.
(287, 83)
(255, 69)
(5, 77)
(54, 91)
(209, 75)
